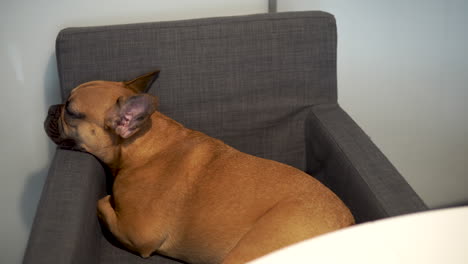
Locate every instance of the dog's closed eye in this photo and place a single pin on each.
(71, 113)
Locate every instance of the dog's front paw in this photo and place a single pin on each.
(102, 206)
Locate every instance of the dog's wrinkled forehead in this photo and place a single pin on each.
(108, 89)
(96, 94)
(103, 88)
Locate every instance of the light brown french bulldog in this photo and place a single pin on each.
(181, 193)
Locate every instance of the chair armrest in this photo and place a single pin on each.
(66, 228)
(349, 163)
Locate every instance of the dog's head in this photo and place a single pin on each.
(99, 115)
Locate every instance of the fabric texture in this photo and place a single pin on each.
(265, 84)
(245, 80)
(352, 166)
(66, 225)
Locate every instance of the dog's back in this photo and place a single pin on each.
(221, 204)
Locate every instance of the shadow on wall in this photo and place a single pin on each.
(35, 182)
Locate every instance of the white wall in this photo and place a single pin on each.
(403, 76)
(29, 84)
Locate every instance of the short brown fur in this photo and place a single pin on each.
(183, 194)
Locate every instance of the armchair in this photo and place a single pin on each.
(265, 84)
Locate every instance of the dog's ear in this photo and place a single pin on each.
(142, 83)
(129, 114)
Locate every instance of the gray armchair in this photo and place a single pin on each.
(265, 84)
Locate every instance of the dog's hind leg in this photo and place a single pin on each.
(285, 224)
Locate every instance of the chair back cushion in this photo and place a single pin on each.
(247, 80)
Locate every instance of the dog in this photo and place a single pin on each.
(180, 193)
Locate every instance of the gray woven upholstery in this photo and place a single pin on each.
(65, 225)
(265, 84)
(348, 162)
(246, 80)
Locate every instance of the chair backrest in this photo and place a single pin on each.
(247, 80)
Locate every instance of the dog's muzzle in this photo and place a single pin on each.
(51, 124)
(54, 130)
